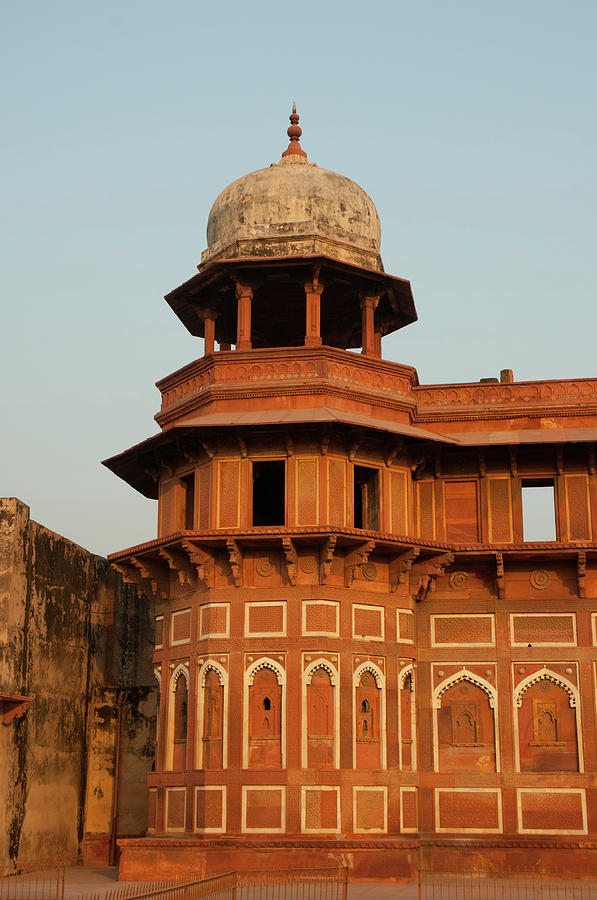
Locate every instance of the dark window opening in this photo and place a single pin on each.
(365, 706)
(267, 703)
(188, 486)
(538, 510)
(366, 498)
(269, 493)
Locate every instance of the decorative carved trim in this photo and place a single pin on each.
(400, 567)
(547, 675)
(327, 555)
(355, 560)
(291, 559)
(13, 706)
(403, 675)
(180, 669)
(211, 665)
(464, 675)
(581, 573)
(370, 667)
(236, 561)
(320, 664)
(265, 663)
(499, 575)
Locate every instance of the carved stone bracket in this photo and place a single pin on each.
(560, 459)
(400, 567)
(236, 561)
(326, 435)
(13, 706)
(581, 573)
(355, 560)
(178, 562)
(357, 440)
(420, 460)
(327, 555)
(242, 443)
(396, 449)
(499, 574)
(513, 462)
(154, 573)
(434, 568)
(209, 448)
(291, 559)
(202, 561)
(591, 459)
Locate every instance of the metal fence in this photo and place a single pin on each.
(49, 886)
(519, 885)
(289, 884)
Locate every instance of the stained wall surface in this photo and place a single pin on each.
(71, 638)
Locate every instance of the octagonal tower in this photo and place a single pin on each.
(328, 673)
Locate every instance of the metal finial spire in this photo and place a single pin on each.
(294, 133)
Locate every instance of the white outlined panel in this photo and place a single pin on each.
(542, 622)
(458, 630)
(475, 827)
(550, 794)
(364, 790)
(206, 790)
(261, 788)
(408, 795)
(173, 797)
(214, 620)
(305, 801)
(180, 627)
(255, 607)
(405, 626)
(330, 616)
(367, 619)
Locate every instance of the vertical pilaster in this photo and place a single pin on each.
(368, 306)
(244, 296)
(209, 333)
(313, 292)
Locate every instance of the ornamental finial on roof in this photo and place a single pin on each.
(294, 133)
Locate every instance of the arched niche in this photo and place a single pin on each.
(547, 724)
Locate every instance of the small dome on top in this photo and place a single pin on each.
(294, 208)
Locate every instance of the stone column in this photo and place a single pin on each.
(313, 292)
(244, 296)
(369, 305)
(209, 332)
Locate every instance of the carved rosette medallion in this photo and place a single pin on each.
(369, 571)
(308, 565)
(539, 579)
(458, 581)
(265, 567)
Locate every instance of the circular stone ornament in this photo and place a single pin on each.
(458, 581)
(265, 567)
(369, 571)
(539, 579)
(308, 565)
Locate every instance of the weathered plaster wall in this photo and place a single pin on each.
(71, 637)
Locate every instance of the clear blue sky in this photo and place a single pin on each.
(471, 124)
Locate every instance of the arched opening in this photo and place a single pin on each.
(368, 704)
(466, 730)
(180, 729)
(213, 721)
(265, 698)
(320, 720)
(547, 732)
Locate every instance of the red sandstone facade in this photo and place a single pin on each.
(360, 658)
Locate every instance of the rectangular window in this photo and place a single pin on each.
(538, 510)
(366, 498)
(188, 500)
(269, 492)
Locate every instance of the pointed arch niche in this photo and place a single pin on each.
(369, 717)
(465, 724)
(547, 725)
(212, 716)
(178, 719)
(320, 716)
(407, 723)
(264, 724)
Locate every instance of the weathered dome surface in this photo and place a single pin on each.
(294, 208)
